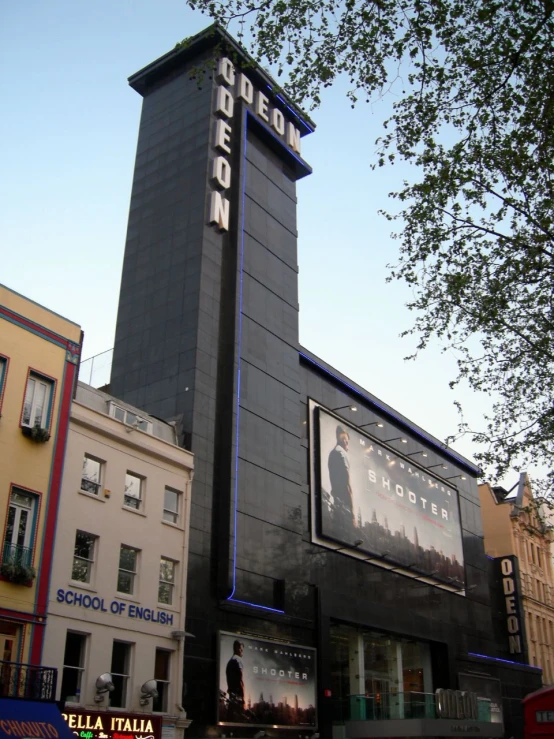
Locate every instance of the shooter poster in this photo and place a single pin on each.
(385, 505)
(266, 683)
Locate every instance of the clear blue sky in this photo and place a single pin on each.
(68, 134)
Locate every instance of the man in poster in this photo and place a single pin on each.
(341, 489)
(235, 681)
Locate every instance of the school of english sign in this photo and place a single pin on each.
(117, 607)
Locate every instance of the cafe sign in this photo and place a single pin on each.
(108, 725)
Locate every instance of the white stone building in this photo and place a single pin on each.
(118, 582)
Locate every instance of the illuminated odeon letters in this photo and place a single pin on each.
(509, 590)
(458, 704)
(233, 86)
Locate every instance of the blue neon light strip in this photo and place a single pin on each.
(388, 412)
(239, 344)
(508, 661)
(254, 605)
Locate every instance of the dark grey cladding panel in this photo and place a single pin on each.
(262, 264)
(272, 498)
(269, 398)
(266, 549)
(270, 197)
(268, 446)
(470, 513)
(280, 240)
(269, 164)
(269, 310)
(270, 353)
(160, 287)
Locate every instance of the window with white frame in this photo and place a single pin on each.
(120, 671)
(162, 675)
(130, 418)
(134, 490)
(83, 556)
(18, 540)
(166, 585)
(91, 476)
(73, 666)
(172, 505)
(37, 403)
(127, 573)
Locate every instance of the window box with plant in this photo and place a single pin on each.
(16, 565)
(36, 433)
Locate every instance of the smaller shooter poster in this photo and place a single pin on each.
(266, 683)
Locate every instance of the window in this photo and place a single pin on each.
(167, 581)
(133, 491)
(37, 403)
(171, 505)
(83, 559)
(121, 659)
(91, 476)
(161, 675)
(73, 666)
(127, 570)
(19, 528)
(130, 418)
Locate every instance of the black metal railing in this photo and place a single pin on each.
(16, 555)
(32, 682)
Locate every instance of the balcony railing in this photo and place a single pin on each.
(30, 682)
(15, 555)
(391, 706)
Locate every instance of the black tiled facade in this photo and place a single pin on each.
(198, 305)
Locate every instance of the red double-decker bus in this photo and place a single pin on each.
(538, 712)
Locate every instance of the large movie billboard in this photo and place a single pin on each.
(381, 502)
(266, 683)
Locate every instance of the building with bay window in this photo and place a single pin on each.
(39, 357)
(118, 586)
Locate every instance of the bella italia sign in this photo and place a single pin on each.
(236, 86)
(108, 725)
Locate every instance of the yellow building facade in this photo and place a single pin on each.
(516, 525)
(39, 358)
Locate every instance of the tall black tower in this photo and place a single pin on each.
(207, 327)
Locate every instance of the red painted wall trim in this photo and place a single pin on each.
(36, 327)
(52, 511)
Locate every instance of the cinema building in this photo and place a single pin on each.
(116, 609)
(337, 575)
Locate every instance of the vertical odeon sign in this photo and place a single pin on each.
(232, 86)
(508, 576)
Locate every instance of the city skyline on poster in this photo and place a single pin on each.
(266, 683)
(385, 504)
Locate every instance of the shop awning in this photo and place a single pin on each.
(31, 720)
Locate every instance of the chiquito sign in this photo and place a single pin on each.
(233, 86)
